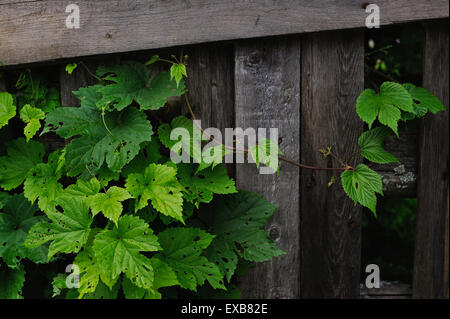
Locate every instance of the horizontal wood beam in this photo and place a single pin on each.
(32, 31)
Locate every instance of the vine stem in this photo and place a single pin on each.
(191, 112)
(90, 72)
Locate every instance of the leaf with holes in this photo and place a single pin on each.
(115, 141)
(15, 222)
(68, 231)
(238, 223)
(361, 185)
(371, 144)
(118, 250)
(199, 188)
(182, 249)
(22, 157)
(42, 183)
(160, 185)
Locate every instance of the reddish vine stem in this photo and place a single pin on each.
(191, 112)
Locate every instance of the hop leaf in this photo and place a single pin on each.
(109, 203)
(118, 250)
(22, 156)
(371, 143)
(387, 105)
(117, 142)
(68, 231)
(177, 71)
(42, 182)
(15, 222)
(71, 67)
(199, 188)
(83, 190)
(32, 117)
(182, 249)
(423, 100)
(130, 84)
(189, 138)
(160, 185)
(239, 220)
(7, 108)
(361, 185)
(11, 283)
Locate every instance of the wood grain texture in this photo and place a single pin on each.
(400, 180)
(431, 241)
(332, 79)
(267, 90)
(32, 31)
(210, 85)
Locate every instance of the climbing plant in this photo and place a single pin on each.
(130, 221)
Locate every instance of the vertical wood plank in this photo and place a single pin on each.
(332, 79)
(431, 241)
(267, 91)
(210, 85)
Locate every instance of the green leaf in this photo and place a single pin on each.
(4, 198)
(117, 143)
(153, 59)
(266, 153)
(177, 71)
(199, 188)
(182, 249)
(189, 137)
(238, 223)
(71, 67)
(83, 190)
(22, 156)
(7, 108)
(160, 185)
(42, 183)
(11, 283)
(89, 96)
(31, 116)
(68, 231)
(164, 277)
(361, 185)
(423, 100)
(387, 105)
(15, 222)
(59, 284)
(130, 84)
(90, 268)
(109, 203)
(148, 154)
(118, 250)
(371, 143)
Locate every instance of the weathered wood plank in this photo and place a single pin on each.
(267, 90)
(210, 85)
(33, 31)
(388, 290)
(401, 179)
(431, 253)
(332, 79)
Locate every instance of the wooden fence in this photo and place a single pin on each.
(304, 84)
